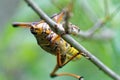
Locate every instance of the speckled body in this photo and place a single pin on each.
(51, 42)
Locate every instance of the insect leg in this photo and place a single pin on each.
(70, 59)
(22, 24)
(53, 74)
(60, 64)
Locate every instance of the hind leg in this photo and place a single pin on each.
(60, 64)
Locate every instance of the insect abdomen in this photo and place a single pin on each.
(71, 52)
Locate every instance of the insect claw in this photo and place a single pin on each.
(81, 78)
(52, 76)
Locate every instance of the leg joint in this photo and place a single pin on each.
(60, 66)
(53, 75)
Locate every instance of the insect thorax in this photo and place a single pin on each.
(51, 42)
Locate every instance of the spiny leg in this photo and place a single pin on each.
(61, 64)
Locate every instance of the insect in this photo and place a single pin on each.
(53, 43)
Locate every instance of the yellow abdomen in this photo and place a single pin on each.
(71, 52)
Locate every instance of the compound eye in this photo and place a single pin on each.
(33, 30)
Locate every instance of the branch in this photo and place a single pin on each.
(55, 27)
(70, 40)
(91, 31)
(100, 22)
(103, 35)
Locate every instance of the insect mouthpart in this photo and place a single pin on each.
(33, 31)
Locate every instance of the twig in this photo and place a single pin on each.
(103, 35)
(75, 44)
(67, 16)
(92, 30)
(100, 23)
(43, 16)
(96, 26)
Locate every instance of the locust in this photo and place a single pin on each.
(53, 43)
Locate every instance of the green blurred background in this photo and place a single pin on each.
(22, 59)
